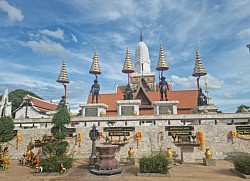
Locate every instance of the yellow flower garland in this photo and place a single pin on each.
(201, 139)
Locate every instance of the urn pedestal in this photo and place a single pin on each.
(107, 164)
(187, 152)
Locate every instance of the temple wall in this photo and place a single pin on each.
(31, 112)
(154, 139)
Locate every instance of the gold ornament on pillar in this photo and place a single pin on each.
(128, 66)
(199, 69)
(95, 68)
(162, 62)
(63, 79)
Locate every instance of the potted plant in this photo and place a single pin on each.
(242, 165)
(154, 164)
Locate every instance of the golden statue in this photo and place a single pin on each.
(19, 139)
(5, 160)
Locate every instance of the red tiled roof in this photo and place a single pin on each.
(120, 89)
(187, 100)
(42, 105)
(108, 99)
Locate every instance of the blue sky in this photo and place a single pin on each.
(35, 36)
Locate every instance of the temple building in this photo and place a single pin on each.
(145, 88)
(33, 107)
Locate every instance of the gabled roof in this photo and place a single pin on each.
(38, 104)
(120, 89)
(144, 84)
(141, 94)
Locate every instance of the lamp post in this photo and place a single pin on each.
(93, 134)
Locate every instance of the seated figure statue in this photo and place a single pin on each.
(202, 99)
(128, 93)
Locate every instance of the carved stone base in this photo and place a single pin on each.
(107, 164)
(106, 172)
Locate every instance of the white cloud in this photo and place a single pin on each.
(191, 83)
(59, 33)
(244, 33)
(212, 82)
(112, 15)
(19, 78)
(13, 13)
(74, 39)
(186, 82)
(45, 47)
(115, 37)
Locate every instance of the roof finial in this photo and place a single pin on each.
(140, 34)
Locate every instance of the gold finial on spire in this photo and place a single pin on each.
(162, 62)
(128, 66)
(63, 76)
(199, 69)
(95, 68)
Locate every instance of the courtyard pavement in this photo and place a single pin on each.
(179, 172)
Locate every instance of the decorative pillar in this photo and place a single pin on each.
(95, 69)
(128, 68)
(63, 78)
(162, 66)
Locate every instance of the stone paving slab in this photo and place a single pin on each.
(180, 172)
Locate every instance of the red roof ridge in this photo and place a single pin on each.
(40, 99)
(39, 103)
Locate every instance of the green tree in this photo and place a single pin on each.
(16, 97)
(61, 118)
(6, 129)
(239, 109)
(57, 149)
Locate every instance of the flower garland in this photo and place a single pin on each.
(79, 138)
(19, 139)
(138, 138)
(201, 139)
(234, 134)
